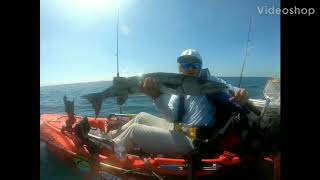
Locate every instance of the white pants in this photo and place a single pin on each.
(153, 135)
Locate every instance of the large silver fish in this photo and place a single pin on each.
(170, 83)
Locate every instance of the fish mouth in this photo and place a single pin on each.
(191, 74)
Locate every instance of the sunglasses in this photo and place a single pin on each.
(192, 65)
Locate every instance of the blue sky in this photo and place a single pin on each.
(78, 37)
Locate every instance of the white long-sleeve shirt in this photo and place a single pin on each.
(198, 110)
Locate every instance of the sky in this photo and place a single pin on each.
(78, 38)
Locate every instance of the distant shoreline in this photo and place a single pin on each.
(66, 84)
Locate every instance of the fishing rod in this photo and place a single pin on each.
(118, 43)
(246, 53)
(252, 108)
(118, 51)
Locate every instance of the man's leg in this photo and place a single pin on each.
(149, 120)
(154, 140)
(145, 119)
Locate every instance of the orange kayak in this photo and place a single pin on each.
(107, 166)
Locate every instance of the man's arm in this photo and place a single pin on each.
(151, 88)
(250, 106)
(167, 110)
(240, 96)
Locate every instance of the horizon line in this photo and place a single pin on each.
(69, 83)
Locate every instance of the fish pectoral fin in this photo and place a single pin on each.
(96, 100)
(121, 99)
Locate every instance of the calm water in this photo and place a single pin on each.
(51, 102)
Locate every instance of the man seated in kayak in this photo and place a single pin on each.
(157, 135)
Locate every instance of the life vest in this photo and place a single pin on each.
(224, 109)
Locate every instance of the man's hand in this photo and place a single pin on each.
(150, 87)
(241, 97)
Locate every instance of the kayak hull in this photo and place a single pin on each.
(107, 166)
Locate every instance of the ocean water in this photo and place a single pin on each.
(51, 101)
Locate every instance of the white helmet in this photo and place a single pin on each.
(189, 55)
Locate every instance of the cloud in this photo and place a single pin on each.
(125, 29)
